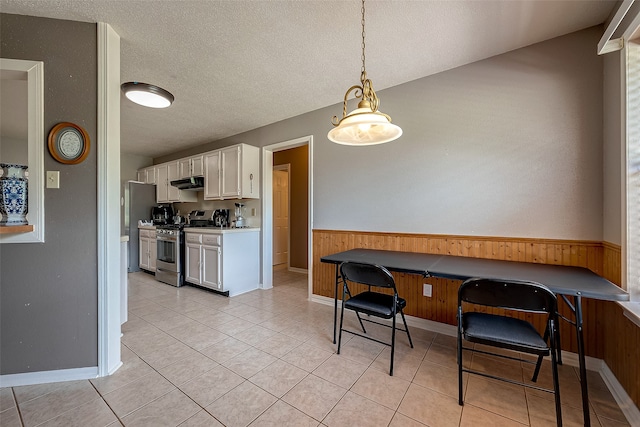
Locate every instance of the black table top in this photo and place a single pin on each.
(563, 280)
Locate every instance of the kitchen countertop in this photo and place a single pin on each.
(219, 230)
(147, 227)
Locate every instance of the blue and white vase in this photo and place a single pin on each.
(13, 194)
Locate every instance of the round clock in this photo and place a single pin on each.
(68, 143)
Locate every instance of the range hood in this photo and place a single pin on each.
(195, 183)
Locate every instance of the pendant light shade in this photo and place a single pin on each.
(365, 125)
(147, 95)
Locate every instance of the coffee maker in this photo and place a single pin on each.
(221, 217)
(162, 214)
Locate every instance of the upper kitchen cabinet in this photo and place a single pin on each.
(147, 175)
(240, 172)
(232, 173)
(212, 176)
(165, 192)
(192, 166)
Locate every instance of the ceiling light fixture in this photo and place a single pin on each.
(147, 95)
(365, 125)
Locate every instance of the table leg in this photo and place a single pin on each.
(583, 369)
(335, 305)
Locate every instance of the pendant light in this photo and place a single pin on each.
(365, 125)
(147, 95)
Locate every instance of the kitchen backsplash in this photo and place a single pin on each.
(249, 206)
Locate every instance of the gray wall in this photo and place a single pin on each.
(48, 291)
(508, 146)
(612, 149)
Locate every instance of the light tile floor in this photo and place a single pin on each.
(265, 358)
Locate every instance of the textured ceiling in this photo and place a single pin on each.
(234, 66)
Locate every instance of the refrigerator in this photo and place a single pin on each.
(139, 200)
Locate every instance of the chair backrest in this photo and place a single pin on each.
(509, 294)
(367, 274)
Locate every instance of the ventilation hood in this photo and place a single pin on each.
(195, 183)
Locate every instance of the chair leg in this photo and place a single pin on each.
(361, 324)
(539, 362)
(554, 366)
(558, 345)
(406, 328)
(393, 345)
(341, 319)
(460, 402)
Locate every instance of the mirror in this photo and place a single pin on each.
(22, 136)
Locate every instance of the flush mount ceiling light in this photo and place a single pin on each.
(365, 125)
(147, 95)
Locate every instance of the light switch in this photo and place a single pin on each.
(53, 179)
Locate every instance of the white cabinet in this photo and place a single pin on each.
(233, 173)
(227, 261)
(173, 173)
(147, 175)
(148, 250)
(212, 176)
(202, 260)
(165, 192)
(192, 166)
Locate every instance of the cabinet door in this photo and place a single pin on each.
(173, 173)
(150, 177)
(211, 267)
(142, 175)
(143, 245)
(192, 263)
(197, 166)
(153, 254)
(212, 175)
(185, 168)
(231, 172)
(161, 184)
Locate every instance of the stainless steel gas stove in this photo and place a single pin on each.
(170, 257)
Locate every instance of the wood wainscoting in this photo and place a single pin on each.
(608, 334)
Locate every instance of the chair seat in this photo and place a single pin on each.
(505, 332)
(375, 304)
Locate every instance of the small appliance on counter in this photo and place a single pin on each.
(241, 221)
(221, 218)
(162, 214)
(201, 218)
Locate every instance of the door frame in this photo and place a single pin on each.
(267, 208)
(285, 167)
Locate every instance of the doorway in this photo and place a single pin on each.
(267, 209)
(281, 207)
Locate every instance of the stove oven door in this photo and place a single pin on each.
(168, 260)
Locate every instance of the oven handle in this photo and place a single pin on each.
(166, 238)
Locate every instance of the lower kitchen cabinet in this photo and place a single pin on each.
(148, 250)
(226, 261)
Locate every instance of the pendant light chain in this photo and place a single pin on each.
(363, 70)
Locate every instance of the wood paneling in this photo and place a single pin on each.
(608, 334)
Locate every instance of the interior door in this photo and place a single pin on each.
(280, 215)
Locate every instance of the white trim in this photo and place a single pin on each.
(108, 159)
(267, 208)
(605, 45)
(34, 71)
(626, 404)
(43, 377)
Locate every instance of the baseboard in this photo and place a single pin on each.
(43, 377)
(298, 270)
(625, 402)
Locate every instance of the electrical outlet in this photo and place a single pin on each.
(426, 290)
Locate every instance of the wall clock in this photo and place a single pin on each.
(68, 143)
